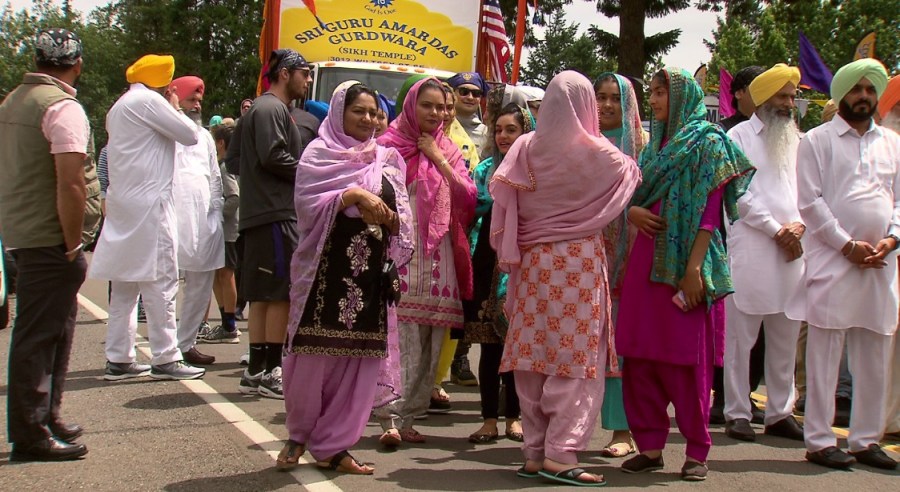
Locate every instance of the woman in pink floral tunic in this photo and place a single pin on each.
(554, 193)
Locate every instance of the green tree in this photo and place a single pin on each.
(562, 49)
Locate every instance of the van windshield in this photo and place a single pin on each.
(383, 81)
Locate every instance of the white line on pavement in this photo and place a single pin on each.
(309, 477)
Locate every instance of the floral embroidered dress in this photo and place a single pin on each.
(345, 314)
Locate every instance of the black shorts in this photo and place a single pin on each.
(231, 255)
(266, 262)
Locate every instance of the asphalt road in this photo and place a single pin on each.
(206, 436)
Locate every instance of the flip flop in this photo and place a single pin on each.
(335, 465)
(618, 450)
(570, 477)
(482, 438)
(523, 473)
(289, 456)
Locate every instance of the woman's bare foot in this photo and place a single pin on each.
(487, 433)
(514, 430)
(619, 446)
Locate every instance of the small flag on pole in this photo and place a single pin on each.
(725, 107)
(866, 47)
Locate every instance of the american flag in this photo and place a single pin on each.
(495, 42)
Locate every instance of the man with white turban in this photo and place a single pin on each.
(848, 173)
(765, 254)
(138, 247)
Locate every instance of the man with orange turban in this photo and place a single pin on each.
(888, 107)
(138, 249)
(199, 202)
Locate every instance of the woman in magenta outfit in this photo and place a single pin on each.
(671, 318)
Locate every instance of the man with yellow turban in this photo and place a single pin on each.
(137, 251)
(848, 173)
(766, 259)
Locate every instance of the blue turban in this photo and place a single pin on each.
(387, 106)
(468, 78)
(317, 109)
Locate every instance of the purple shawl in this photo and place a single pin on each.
(332, 164)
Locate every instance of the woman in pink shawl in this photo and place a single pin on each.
(554, 193)
(439, 276)
(354, 226)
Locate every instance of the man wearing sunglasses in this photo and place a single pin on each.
(470, 87)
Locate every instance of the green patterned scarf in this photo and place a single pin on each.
(697, 160)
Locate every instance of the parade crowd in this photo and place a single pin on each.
(607, 272)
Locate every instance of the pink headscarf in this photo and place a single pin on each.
(441, 207)
(330, 165)
(564, 181)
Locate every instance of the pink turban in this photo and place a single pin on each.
(186, 86)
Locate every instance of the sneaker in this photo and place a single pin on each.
(239, 314)
(245, 359)
(117, 371)
(142, 315)
(177, 370)
(270, 385)
(249, 384)
(220, 335)
(203, 331)
(643, 463)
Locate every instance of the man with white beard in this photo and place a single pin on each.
(765, 253)
(848, 176)
(199, 202)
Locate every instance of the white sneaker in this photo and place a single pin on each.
(177, 370)
(245, 359)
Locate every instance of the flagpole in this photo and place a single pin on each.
(520, 39)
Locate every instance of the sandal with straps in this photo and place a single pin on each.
(290, 454)
(336, 464)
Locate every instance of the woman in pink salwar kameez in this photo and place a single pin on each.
(554, 193)
(355, 229)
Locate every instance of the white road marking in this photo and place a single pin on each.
(312, 479)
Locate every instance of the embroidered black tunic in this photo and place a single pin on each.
(346, 312)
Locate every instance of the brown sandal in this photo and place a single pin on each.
(336, 464)
(290, 454)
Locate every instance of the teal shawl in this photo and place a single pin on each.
(697, 160)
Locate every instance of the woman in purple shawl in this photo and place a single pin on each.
(354, 225)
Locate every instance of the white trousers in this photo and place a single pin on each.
(194, 305)
(869, 354)
(893, 404)
(159, 305)
(741, 332)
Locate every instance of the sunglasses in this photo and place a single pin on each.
(464, 91)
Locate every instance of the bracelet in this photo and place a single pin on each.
(852, 247)
(343, 205)
(75, 249)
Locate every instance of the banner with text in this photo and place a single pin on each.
(439, 34)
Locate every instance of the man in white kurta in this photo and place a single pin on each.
(848, 173)
(889, 109)
(198, 202)
(138, 246)
(766, 258)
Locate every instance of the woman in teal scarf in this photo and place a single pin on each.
(671, 321)
(620, 122)
(484, 319)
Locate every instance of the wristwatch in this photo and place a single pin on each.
(895, 238)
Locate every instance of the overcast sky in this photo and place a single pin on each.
(689, 54)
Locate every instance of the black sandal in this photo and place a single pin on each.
(477, 438)
(570, 477)
(335, 464)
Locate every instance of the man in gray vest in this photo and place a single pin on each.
(49, 189)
